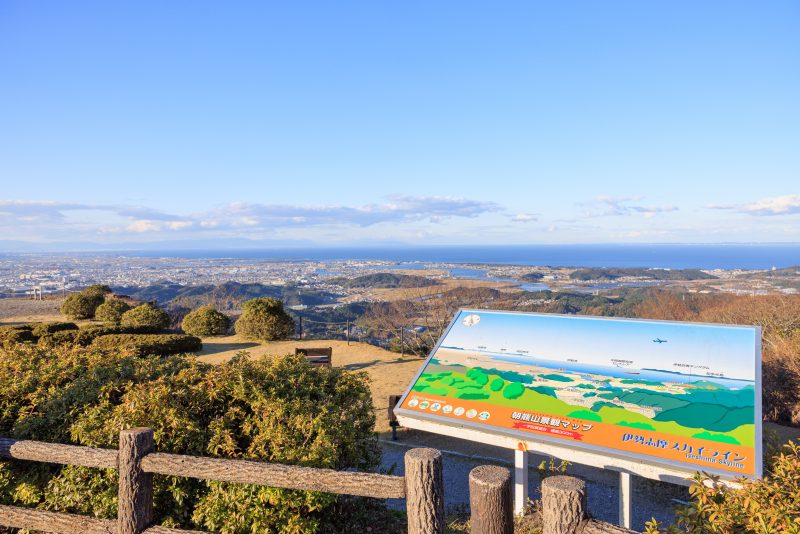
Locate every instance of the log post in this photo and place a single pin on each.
(424, 491)
(490, 496)
(563, 504)
(135, 507)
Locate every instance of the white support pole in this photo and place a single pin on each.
(520, 480)
(625, 495)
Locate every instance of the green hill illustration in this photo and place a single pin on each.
(702, 409)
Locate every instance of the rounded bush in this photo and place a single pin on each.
(264, 319)
(146, 316)
(206, 321)
(497, 384)
(110, 312)
(99, 290)
(81, 306)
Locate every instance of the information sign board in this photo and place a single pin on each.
(686, 395)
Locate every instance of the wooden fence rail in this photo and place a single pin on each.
(563, 498)
(137, 462)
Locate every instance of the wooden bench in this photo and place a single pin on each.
(318, 357)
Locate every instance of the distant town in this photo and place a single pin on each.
(35, 275)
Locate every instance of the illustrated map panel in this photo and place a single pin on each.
(666, 391)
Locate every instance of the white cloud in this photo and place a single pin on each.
(782, 205)
(524, 217)
(44, 219)
(607, 206)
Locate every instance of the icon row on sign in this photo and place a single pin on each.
(447, 409)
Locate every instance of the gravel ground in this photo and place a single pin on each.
(651, 498)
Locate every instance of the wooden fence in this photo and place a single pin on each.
(563, 498)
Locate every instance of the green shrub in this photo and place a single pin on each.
(771, 504)
(13, 335)
(146, 316)
(41, 329)
(99, 290)
(110, 312)
(148, 344)
(206, 321)
(88, 334)
(264, 319)
(81, 306)
(497, 384)
(57, 339)
(273, 409)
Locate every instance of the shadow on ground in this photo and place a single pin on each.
(216, 348)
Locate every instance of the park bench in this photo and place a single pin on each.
(318, 357)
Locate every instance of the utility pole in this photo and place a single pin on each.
(347, 332)
(402, 347)
(301, 327)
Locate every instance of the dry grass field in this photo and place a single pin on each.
(16, 311)
(401, 293)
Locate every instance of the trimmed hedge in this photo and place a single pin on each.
(206, 321)
(14, 335)
(264, 319)
(146, 316)
(57, 339)
(81, 306)
(88, 334)
(110, 312)
(149, 344)
(42, 329)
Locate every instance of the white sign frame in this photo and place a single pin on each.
(626, 464)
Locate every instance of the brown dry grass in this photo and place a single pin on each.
(18, 311)
(401, 293)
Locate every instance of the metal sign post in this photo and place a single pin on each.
(520, 478)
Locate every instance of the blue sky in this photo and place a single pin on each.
(723, 349)
(400, 122)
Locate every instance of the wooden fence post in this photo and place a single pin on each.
(563, 504)
(424, 491)
(135, 507)
(490, 496)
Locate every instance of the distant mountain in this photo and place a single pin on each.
(225, 296)
(385, 280)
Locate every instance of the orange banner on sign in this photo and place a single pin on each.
(703, 454)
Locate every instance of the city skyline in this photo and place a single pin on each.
(132, 126)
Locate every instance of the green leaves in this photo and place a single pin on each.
(264, 319)
(206, 321)
(277, 409)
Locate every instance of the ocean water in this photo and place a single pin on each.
(680, 256)
(652, 375)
